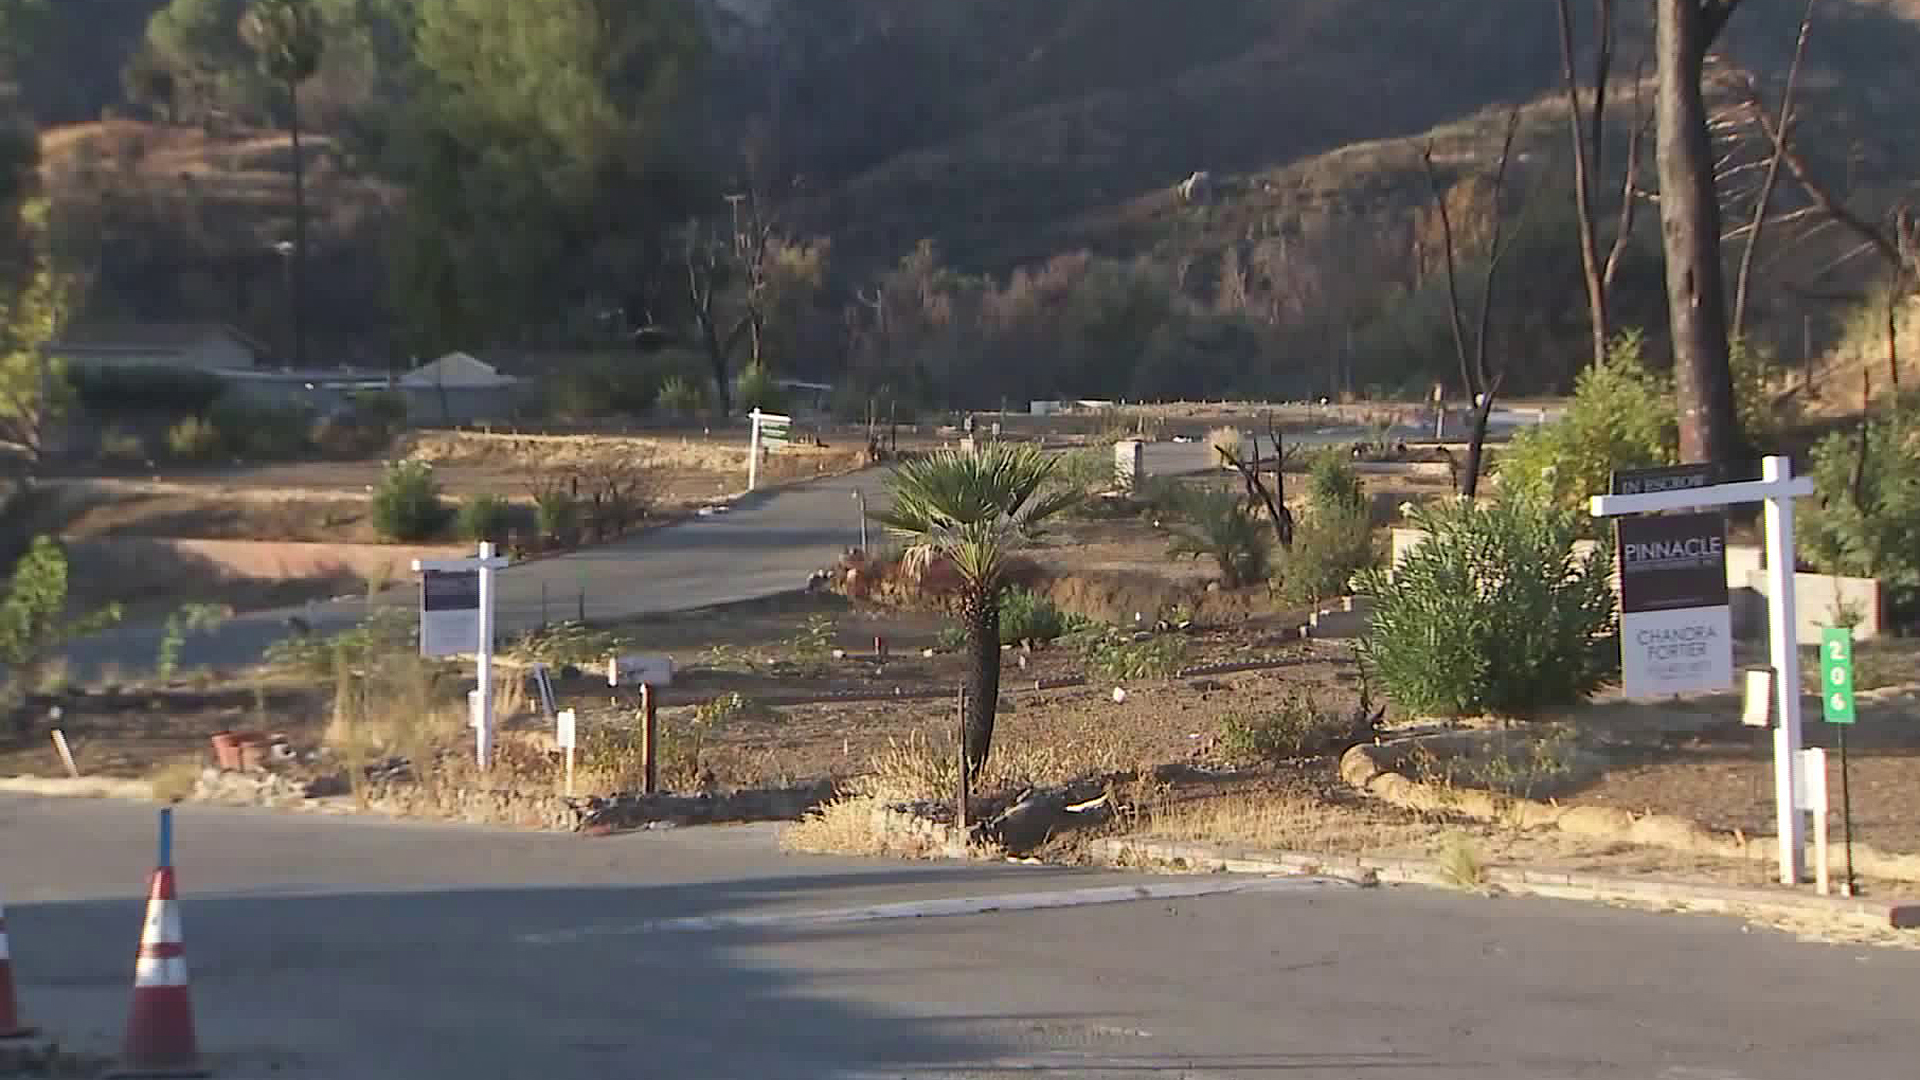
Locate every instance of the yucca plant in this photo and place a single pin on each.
(975, 509)
(1217, 525)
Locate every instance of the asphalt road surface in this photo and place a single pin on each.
(326, 948)
(766, 545)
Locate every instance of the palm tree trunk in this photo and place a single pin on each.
(980, 614)
(299, 229)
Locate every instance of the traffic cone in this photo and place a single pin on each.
(160, 1038)
(10, 1025)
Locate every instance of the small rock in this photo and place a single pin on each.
(1119, 696)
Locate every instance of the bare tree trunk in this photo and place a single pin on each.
(1588, 149)
(1893, 329)
(980, 614)
(1690, 232)
(1481, 383)
(299, 230)
(1743, 281)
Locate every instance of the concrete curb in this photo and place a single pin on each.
(1555, 884)
(83, 788)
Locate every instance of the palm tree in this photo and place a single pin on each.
(289, 39)
(975, 509)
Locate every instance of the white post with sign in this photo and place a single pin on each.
(769, 430)
(456, 594)
(1690, 489)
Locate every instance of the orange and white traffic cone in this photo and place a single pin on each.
(160, 1040)
(10, 1025)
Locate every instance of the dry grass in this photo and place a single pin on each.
(1281, 821)
(399, 710)
(845, 826)
(850, 825)
(1225, 440)
(723, 452)
(174, 780)
(920, 769)
(1461, 864)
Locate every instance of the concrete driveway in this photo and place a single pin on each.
(327, 948)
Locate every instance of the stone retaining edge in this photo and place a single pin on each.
(1555, 884)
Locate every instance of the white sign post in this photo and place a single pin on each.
(566, 733)
(482, 567)
(1776, 488)
(769, 430)
(1813, 796)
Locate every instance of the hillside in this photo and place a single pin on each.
(1011, 133)
(181, 224)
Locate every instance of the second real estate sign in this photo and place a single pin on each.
(1676, 635)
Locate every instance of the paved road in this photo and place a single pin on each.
(765, 546)
(331, 948)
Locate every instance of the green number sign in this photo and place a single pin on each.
(1836, 675)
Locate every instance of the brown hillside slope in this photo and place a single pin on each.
(1077, 142)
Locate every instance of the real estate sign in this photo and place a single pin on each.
(449, 612)
(1676, 632)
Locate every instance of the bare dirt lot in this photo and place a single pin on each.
(326, 501)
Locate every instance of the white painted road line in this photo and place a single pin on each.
(944, 908)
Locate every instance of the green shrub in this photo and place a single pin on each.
(1334, 486)
(251, 429)
(682, 397)
(1877, 536)
(406, 503)
(1159, 496)
(1755, 370)
(118, 445)
(387, 408)
(1027, 616)
(34, 620)
(484, 517)
(385, 632)
(173, 635)
(1622, 417)
(1116, 654)
(1085, 468)
(1330, 546)
(604, 385)
(556, 515)
(1493, 613)
(194, 438)
(569, 643)
(152, 387)
(755, 388)
(1217, 525)
(1334, 538)
(1298, 728)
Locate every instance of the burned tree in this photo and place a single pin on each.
(1481, 379)
(1690, 230)
(1588, 127)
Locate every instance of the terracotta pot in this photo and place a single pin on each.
(253, 756)
(226, 750)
